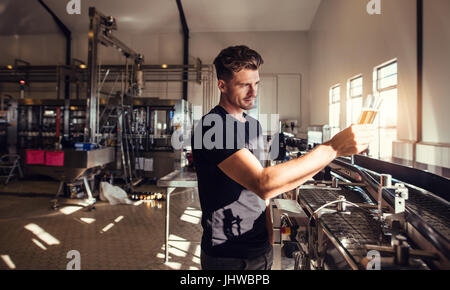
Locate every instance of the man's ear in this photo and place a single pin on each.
(222, 86)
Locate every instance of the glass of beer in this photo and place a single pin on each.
(370, 109)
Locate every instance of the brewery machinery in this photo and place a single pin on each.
(370, 214)
(154, 123)
(41, 123)
(317, 135)
(41, 126)
(111, 131)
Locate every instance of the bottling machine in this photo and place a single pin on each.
(370, 214)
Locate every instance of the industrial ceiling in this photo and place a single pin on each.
(19, 17)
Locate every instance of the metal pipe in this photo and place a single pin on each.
(169, 191)
(385, 182)
(185, 47)
(419, 77)
(91, 120)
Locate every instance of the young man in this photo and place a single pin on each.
(234, 187)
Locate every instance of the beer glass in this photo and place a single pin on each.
(370, 109)
(369, 112)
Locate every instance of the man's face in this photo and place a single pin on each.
(242, 89)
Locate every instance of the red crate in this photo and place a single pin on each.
(35, 157)
(54, 158)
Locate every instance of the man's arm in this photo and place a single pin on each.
(269, 222)
(245, 169)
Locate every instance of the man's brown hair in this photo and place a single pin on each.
(233, 59)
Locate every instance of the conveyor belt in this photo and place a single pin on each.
(436, 213)
(433, 210)
(427, 213)
(353, 230)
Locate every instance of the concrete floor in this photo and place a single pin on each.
(122, 237)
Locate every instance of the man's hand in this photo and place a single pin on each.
(352, 140)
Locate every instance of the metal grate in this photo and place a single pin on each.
(435, 212)
(353, 230)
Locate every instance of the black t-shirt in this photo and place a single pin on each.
(234, 218)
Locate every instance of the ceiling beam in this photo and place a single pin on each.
(67, 33)
(185, 47)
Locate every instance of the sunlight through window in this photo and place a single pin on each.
(107, 228)
(8, 261)
(39, 244)
(41, 234)
(191, 215)
(354, 100)
(385, 78)
(69, 209)
(335, 109)
(174, 265)
(87, 220)
(190, 219)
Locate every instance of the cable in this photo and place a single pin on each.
(336, 201)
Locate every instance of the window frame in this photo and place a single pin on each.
(376, 88)
(350, 98)
(335, 128)
(378, 91)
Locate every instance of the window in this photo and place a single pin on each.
(335, 109)
(385, 84)
(354, 100)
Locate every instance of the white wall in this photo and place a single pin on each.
(435, 148)
(436, 72)
(345, 41)
(283, 53)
